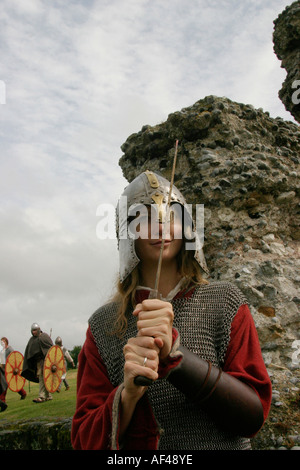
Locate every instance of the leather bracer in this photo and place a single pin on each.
(233, 405)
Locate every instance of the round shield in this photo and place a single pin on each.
(54, 367)
(13, 370)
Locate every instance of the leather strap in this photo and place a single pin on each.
(233, 405)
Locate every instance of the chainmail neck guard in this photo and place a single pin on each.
(204, 323)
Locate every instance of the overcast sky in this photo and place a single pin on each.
(80, 77)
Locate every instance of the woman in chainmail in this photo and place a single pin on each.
(178, 370)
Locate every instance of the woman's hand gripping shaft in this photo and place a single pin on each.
(154, 319)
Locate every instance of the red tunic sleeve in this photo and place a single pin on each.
(92, 421)
(95, 424)
(244, 360)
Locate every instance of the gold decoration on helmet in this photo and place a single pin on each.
(153, 181)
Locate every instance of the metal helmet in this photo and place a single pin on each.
(58, 341)
(35, 326)
(147, 189)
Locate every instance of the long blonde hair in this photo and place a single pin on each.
(188, 268)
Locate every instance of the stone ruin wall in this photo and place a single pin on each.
(286, 40)
(243, 166)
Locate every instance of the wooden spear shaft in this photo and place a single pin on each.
(155, 295)
(139, 379)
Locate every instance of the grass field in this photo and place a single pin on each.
(62, 405)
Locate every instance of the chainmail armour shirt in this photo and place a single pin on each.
(203, 322)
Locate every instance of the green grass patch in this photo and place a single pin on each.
(62, 406)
